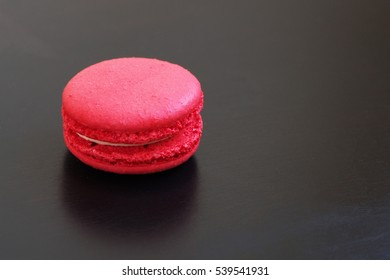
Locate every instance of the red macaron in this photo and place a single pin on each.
(132, 115)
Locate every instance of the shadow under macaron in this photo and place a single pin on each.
(128, 206)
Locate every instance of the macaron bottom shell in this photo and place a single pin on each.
(143, 159)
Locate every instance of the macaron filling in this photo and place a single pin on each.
(118, 144)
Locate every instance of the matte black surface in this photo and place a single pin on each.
(295, 157)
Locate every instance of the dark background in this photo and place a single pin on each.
(295, 158)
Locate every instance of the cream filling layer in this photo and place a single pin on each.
(118, 144)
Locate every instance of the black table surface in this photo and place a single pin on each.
(294, 162)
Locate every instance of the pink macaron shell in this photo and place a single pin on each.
(136, 169)
(131, 94)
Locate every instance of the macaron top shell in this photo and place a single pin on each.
(131, 95)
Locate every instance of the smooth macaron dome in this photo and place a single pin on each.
(132, 115)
